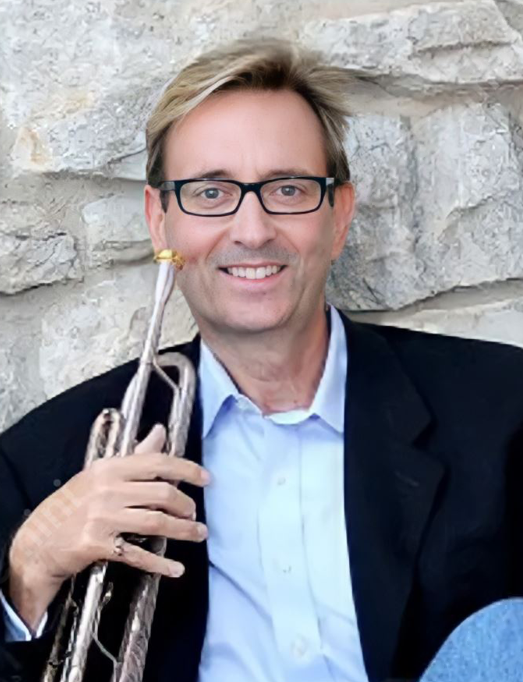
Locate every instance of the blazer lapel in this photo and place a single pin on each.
(390, 486)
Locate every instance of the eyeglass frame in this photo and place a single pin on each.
(327, 185)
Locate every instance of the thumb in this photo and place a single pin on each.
(153, 442)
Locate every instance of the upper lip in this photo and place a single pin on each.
(253, 265)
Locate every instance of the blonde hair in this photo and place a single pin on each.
(262, 64)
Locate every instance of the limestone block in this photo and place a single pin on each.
(92, 329)
(377, 267)
(12, 395)
(77, 81)
(471, 196)
(33, 250)
(440, 205)
(129, 167)
(428, 47)
(498, 320)
(116, 230)
(19, 339)
(513, 12)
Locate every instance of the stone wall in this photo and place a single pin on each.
(436, 149)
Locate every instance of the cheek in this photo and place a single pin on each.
(191, 240)
(193, 285)
(316, 244)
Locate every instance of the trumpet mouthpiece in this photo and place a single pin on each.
(170, 256)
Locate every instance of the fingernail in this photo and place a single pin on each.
(206, 477)
(176, 571)
(193, 516)
(202, 530)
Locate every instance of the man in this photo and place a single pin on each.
(351, 492)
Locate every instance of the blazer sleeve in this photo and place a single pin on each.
(20, 661)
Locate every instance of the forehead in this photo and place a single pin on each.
(249, 133)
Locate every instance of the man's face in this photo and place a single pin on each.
(250, 136)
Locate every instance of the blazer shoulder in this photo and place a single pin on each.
(456, 353)
(475, 380)
(408, 340)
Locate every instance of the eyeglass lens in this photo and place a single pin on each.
(210, 197)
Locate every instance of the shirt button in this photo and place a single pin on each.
(286, 568)
(281, 480)
(299, 648)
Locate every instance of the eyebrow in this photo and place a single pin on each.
(224, 173)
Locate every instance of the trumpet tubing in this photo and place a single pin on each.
(113, 435)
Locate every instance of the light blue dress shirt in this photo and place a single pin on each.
(280, 603)
(15, 628)
(281, 607)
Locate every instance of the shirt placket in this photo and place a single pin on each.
(283, 557)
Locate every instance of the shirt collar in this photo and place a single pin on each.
(217, 387)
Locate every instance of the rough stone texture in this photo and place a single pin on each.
(435, 146)
(436, 46)
(98, 324)
(440, 205)
(378, 267)
(512, 10)
(495, 315)
(12, 394)
(116, 230)
(33, 250)
(57, 337)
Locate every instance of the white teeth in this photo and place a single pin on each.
(254, 273)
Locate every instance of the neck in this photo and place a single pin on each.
(278, 370)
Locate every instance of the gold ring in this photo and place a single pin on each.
(118, 545)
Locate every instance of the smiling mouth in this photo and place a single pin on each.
(254, 273)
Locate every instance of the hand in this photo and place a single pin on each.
(79, 523)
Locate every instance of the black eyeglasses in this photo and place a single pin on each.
(281, 196)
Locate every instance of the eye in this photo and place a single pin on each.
(209, 193)
(289, 190)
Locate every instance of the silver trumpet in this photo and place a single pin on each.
(114, 435)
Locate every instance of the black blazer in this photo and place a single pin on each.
(433, 497)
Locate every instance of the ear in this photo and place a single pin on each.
(344, 208)
(155, 217)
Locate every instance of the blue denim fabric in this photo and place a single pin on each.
(487, 647)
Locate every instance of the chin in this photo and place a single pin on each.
(252, 321)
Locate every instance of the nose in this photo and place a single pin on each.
(252, 226)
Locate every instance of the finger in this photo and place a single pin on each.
(135, 556)
(150, 466)
(160, 495)
(153, 442)
(157, 523)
